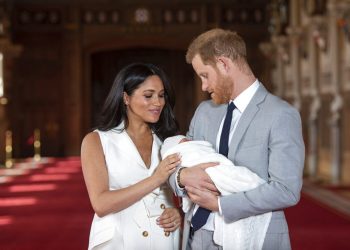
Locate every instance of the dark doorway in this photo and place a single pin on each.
(106, 64)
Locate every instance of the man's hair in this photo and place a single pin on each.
(215, 43)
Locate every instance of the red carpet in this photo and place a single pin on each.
(315, 226)
(47, 208)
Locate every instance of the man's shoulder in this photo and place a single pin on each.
(206, 112)
(208, 105)
(277, 102)
(276, 106)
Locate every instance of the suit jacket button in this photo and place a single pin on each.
(145, 233)
(167, 234)
(162, 206)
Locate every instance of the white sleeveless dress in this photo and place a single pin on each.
(135, 227)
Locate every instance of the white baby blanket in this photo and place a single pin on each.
(248, 233)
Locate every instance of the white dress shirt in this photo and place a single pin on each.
(241, 102)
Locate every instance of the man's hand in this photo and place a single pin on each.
(197, 177)
(203, 198)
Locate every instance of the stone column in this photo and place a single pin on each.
(337, 102)
(9, 52)
(315, 104)
(72, 79)
(294, 32)
(279, 44)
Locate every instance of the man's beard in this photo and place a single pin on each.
(223, 90)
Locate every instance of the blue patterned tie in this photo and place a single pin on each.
(201, 216)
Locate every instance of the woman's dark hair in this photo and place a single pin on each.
(128, 80)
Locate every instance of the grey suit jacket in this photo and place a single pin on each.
(267, 140)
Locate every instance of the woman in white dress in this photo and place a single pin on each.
(123, 172)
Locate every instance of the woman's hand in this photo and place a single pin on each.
(170, 219)
(166, 167)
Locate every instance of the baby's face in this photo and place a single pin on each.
(184, 140)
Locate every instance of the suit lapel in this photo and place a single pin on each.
(246, 118)
(216, 119)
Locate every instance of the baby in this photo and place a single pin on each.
(247, 233)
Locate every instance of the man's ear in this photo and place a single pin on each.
(223, 64)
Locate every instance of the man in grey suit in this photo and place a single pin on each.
(262, 133)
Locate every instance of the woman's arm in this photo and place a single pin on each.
(105, 201)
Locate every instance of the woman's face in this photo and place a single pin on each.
(147, 101)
